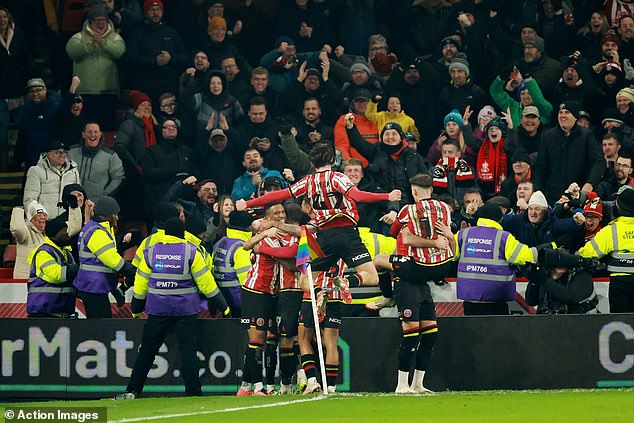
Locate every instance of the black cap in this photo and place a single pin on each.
(392, 125)
(57, 145)
(53, 226)
(165, 211)
(625, 203)
(273, 181)
(195, 225)
(105, 206)
(572, 106)
(490, 211)
(500, 201)
(175, 227)
(362, 93)
(520, 156)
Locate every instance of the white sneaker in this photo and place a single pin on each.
(312, 387)
(404, 390)
(380, 303)
(420, 389)
(332, 389)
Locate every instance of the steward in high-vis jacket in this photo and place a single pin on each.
(50, 287)
(231, 262)
(486, 254)
(616, 240)
(170, 276)
(99, 261)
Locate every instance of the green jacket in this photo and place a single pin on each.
(96, 67)
(504, 101)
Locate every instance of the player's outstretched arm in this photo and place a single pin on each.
(271, 197)
(372, 197)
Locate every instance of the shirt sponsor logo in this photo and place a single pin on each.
(360, 256)
(168, 257)
(159, 265)
(479, 241)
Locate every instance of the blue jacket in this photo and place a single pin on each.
(243, 188)
(546, 233)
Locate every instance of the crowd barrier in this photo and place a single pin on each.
(75, 359)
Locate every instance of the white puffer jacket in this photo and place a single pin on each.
(45, 183)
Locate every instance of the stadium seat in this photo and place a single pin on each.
(109, 138)
(8, 258)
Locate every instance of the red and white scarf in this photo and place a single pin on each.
(464, 175)
(492, 166)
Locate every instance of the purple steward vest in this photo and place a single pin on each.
(172, 290)
(94, 276)
(224, 271)
(49, 298)
(484, 274)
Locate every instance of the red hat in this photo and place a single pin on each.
(594, 206)
(151, 3)
(138, 97)
(611, 36)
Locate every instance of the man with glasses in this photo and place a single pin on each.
(45, 182)
(236, 82)
(35, 121)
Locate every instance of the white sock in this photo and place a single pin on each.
(403, 378)
(270, 388)
(301, 375)
(246, 386)
(258, 386)
(419, 375)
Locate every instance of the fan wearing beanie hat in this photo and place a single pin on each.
(567, 115)
(593, 212)
(459, 71)
(492, 164)
(537, 208)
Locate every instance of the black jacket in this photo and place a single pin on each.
(565, 159)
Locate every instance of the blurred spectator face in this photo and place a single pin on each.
(207, 193)
(609, 79)
(215, 85)
(276, 213)
(525, 98)
(536, 214)
(218, 143)
(597, 21)
(623, 104)
(609, 125)
(216, 10)
(37, 94)
(592, 223)
(608, 48)
(524, 191)
(227, 207)
(311, 83)
(531, 53)
(154, 14)
(394, 105)
(217, 34)
(360, 77)
(77, 107)
(458, 77)
(108, 4)
(530, 123)
(39, 221)
(311, 112)
(472, 198)
(570, 76)
(452, 129)
(257, 113)
(450, 151)
(4, 20)
(145, 109)
(527, 33)
(354, 173)
(229, 68)
(99, 25)
(57, 157)
(449, 51)
(622, 169)
(411, 76)
(391, 137)
(91, 135)
(584, 122)
(168, 105)
(494, 134)
(361, 105)
(375, 49)
(259, 82)
(169, 130)
(80, 197)
(626, 28)
(201, 61)
(252, 160)
(302, 3)
(520, 169)
(610, 147)
(566, 120)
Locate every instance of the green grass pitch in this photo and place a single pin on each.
(579, 406)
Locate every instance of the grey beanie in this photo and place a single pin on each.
(105, 206)
(459, 63)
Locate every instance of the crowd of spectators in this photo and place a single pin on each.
(494, 99)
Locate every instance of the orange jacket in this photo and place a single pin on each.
(367, 129)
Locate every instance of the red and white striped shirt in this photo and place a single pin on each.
(288, 280)
(327, 192)
(326, 280)
(420, 219)
(263, 274)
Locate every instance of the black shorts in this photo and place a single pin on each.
(344, 243)
(334, 311)
(258, 310)
(406, 268)
(414, 301)
(289, 303)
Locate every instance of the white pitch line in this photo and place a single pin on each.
(224, 410)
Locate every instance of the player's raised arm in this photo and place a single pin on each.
(371, 197)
